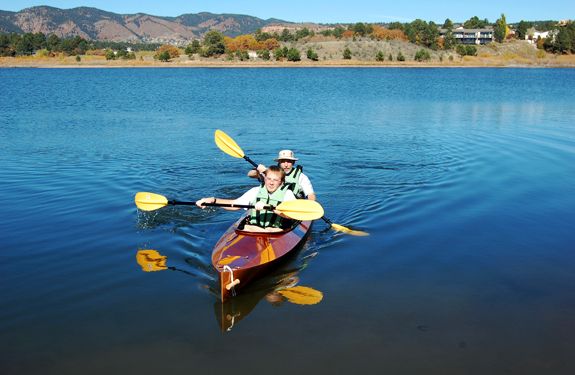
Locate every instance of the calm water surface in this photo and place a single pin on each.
(464, 178)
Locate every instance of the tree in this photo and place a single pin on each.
(312, 55)
(264, 54)
(500, 29)
(379, 56)
(25, 45)
(448, 24)
(193, 48)
(164, 56)
(422, 55)
(400, 57)
(172, 51)
(347, 54)
(475, 23)
(213, 44)
(293, 55)
(110, 55)
(521, 29)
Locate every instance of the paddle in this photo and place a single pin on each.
(230, 147)
(299, 209)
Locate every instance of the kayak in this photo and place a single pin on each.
(240, 256)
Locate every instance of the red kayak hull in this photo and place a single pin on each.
(249, 254)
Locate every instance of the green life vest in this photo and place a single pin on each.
(292, 182)
(265, 218)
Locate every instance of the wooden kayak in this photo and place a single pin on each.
(239, 256)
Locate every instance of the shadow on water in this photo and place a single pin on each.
(277, 287)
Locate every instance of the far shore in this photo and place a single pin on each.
(550, 61)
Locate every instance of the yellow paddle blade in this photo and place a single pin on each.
(228, 145)
(150, 201)
(341, 228)
(301, 209)
(151, 260)
(302, 295)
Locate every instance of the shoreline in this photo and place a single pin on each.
(91, 62)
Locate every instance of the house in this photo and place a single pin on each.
(532, 35)
(471, 36)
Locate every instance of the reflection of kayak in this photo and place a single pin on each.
(239, 256)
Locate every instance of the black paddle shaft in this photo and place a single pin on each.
(180, 203)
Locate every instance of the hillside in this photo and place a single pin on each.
(96, 24)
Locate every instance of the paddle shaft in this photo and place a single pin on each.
(181, 203)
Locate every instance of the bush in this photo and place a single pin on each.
(163, 56)
(78, 58)
(312, 55)
(400, 57)
(379, 56)
(422, 55)
(466, 50)
(293, 54)
(347, 54)
(264, 55)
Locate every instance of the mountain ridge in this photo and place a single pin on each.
(96, 24)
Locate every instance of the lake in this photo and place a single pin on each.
(463, 177)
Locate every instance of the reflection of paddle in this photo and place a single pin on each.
(299, 209)
(152, 260)
(302, 295)
(230, 147)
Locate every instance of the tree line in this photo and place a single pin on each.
(29, 43)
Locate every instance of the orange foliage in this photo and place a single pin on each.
(347, 34)
(381, 33)
(173, 51)
(249, 43)
(270, 44)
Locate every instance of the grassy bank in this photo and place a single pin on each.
(363, 52)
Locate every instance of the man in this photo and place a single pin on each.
(271, 192)
(295, 179)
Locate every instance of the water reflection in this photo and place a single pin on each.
(276, 288)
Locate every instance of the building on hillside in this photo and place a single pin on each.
(532, 35)
(471, 36)
(293, 27)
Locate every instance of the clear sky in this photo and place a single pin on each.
(330, 11)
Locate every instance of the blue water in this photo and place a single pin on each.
(463, 177)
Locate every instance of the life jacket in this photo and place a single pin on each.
(292, 182)
(265, 218)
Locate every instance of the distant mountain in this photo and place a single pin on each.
(96, 24)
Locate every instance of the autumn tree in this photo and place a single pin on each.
(381, 33)
(172, 52)
(500, 29)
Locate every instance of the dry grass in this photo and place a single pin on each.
(330, 54)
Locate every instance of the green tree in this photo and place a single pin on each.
(214, 44)
(293, 54)
(52, 42)
(110, 55)
(400, 56)
(164, 56)
(264, 54)
(379, 56)
(500, 29)
(78, 58)
(448, 24)
(475, 23)
(312, 55)
(347, 54)
(422, 55)
(338, 32)
(193, 48)
(25, 44)
(521, 29)
(390, 57)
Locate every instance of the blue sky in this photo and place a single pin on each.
(329, 11)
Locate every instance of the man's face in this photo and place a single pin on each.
(273, 181)
(286, 165)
